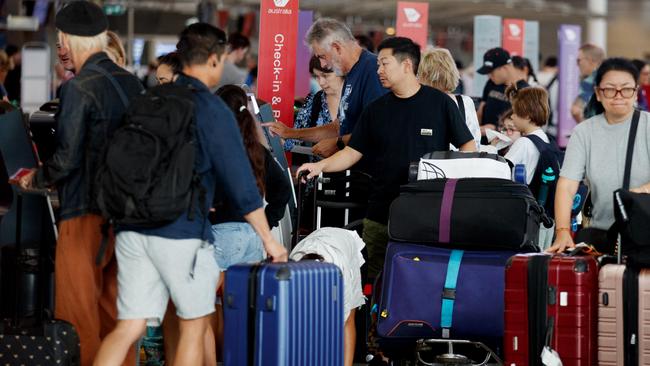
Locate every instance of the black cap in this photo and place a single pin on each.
(493, 58)
(81, 18)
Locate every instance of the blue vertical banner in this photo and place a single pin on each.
(569, 39)
(487, 34)
(531, 43)
(303, 54)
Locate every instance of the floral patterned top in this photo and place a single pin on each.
(304, 116)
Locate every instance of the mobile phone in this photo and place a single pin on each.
(15, 178)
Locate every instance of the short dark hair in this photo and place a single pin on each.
(640, 64)
(403, 48)
(198, 41)
(173, 60)
(612, 64)
(365, 42)
(238, 41)
(314, 64)
(551, 61)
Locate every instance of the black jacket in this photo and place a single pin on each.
(91, 109)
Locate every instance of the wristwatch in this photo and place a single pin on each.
(339, 143)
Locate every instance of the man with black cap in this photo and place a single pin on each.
(92, 106)
(497, 64)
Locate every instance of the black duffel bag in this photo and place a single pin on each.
(470, 213)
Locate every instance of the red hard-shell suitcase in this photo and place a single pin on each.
(554, 298)
(623, 316)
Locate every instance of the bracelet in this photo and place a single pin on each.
(558, 229)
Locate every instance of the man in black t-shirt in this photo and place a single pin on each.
(497, 64)
(392, 131)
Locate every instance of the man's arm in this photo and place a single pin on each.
(469, 146)
(71, 135)
(257, 219)
(327, 147)
(577, 110)
(311, 134)
(340, 161)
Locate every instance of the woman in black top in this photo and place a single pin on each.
(235, 239)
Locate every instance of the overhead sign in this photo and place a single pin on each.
(277, 56)
(413, 21)
(569, 39)
(513, 36)
(531, 43)
(487, 35)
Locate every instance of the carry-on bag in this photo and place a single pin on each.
(283, 314)
(472, 213)
(457, 164)
(36, 339)
(551, 310)
(440, 293)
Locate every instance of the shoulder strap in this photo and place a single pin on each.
(551, 82)
(461, 106)
(630, 149)
(316, 107)
(538, 142)
(111, 78)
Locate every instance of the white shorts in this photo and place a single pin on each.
(152, 269)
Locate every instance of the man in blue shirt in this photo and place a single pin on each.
(332, 42)
(589, 58)
(177, 261)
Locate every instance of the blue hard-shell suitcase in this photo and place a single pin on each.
(283, 314)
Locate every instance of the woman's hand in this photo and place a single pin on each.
(562, 242)
(279, 128)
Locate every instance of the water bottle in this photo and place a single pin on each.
(519, 174)
(547, 177)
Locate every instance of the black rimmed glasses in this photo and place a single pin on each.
(612, 92)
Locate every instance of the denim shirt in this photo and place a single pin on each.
(221, 159)
(91, 109)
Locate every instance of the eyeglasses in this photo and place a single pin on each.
(612, 92)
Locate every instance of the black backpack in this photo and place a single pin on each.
(147, 178)
(547, 172)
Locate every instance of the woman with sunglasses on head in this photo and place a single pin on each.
(596, 153)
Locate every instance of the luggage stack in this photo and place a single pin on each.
(444, 273)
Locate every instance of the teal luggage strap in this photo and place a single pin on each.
(449, 292)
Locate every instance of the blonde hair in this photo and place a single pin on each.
(79, 44)
(114, 49)
(439, 70)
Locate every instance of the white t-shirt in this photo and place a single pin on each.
(523, 151)
(471, 119)
(342, 248)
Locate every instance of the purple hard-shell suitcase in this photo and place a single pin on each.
(283, 314)
(415, 286)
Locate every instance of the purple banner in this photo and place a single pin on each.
(569, 39)
(305, 19)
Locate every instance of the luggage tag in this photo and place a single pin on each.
(550, 357)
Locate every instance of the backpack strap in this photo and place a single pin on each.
(630, 149)
(110, 78)
(551, 82)
(461, 106)
(316, 107)
(540, 144)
